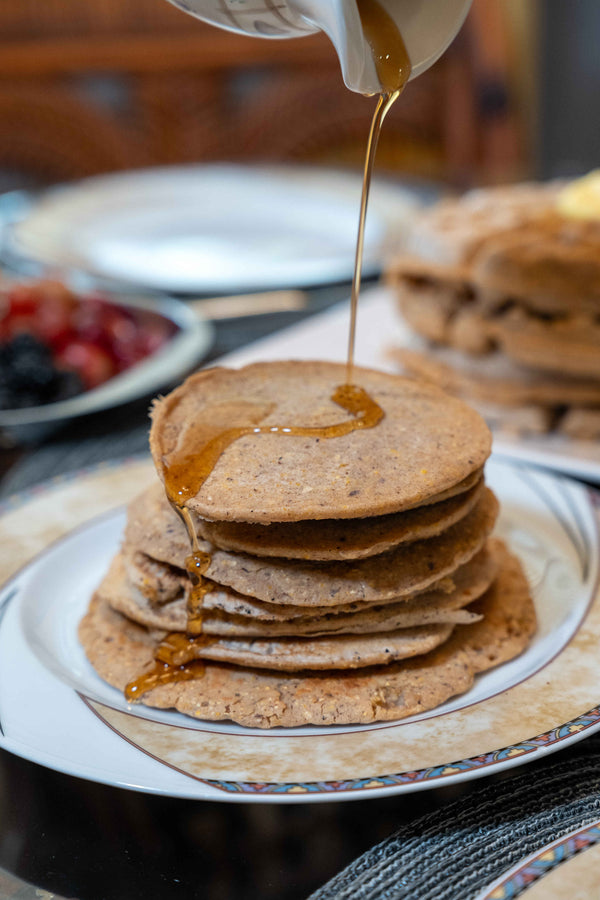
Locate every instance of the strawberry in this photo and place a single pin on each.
(91, 362)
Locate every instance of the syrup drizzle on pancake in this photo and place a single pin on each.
(177, 655)
(187, 472)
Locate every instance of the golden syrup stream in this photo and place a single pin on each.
(178, 657)
(393, 69)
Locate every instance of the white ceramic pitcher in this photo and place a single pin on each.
(427, 27)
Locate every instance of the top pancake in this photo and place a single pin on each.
(426, 443)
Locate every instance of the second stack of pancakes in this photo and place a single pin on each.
(501, 290)
(359, 555)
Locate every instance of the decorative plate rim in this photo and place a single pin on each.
(519, 878)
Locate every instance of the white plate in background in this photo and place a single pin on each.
(212, 228)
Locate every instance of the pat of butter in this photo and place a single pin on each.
(580, 199)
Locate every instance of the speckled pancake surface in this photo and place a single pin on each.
(221, 610)
(155, 529)
(120, 650)
(425, 444)
(232, 603)
(326, 539)
(406, 569)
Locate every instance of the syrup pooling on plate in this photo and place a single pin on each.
(177, 656)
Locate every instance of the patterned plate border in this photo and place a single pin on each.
(419, 778)
(542, 862)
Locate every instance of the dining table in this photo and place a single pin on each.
(494, 825)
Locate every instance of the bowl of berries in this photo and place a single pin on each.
(65, 354)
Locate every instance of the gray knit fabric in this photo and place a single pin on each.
(473, 841)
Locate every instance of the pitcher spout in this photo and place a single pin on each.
(426, 28)
(340, 20)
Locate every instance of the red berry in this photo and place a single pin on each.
(92, 363)
(153, 335)
(119, 336)
(23, 300)
(87, 319)
(55, 320)
(42, 309)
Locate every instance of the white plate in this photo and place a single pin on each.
(217, 228)
(56, 711)
(162, 369)
(379, 330)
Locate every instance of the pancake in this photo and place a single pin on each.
(120, 650)
(158, 582)
(454, 313)
(449, 234)
(144, 575)
(339, 652)
(554, 265)
(441, 605)
(406, 569)
(328, 539)
(425, 444)
(153, 527)
(538, 343)
(507, 242)
(496, 379)
(581, 423)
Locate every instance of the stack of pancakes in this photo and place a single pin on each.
(352, 578)
(503, 290)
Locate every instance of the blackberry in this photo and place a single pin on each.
(28, 376)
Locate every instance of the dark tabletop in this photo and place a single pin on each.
(77, 839)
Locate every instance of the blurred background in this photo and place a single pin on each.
(91, 86)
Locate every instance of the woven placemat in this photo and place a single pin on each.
(460, 850)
